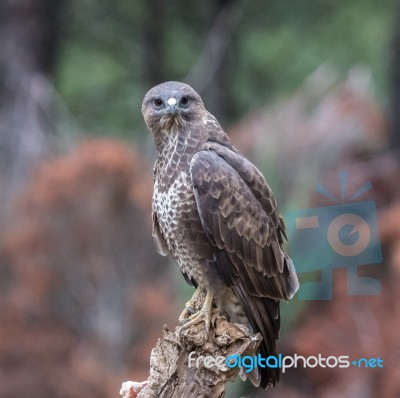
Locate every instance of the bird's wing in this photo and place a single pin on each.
(161, 244)
(159, 240)
(240, 218)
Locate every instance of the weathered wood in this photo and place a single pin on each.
(170, 373)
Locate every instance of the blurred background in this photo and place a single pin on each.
(305, 89)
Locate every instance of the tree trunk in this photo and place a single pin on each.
(394, 137)
(29, 31)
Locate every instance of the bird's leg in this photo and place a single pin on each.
(190, 306)
(203, 315)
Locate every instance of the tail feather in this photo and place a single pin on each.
(264, 318)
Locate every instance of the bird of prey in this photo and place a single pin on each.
(215, 214)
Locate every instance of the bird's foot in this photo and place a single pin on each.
(201, 316)
(191, 307)
(204, 315)
(186, 313)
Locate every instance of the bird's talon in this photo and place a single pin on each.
(186, 314)
(201, 316)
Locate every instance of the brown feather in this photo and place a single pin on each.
(246, 225)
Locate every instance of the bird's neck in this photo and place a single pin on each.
(175, 151)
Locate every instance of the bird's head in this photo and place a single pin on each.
(169, 104)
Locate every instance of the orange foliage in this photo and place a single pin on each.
(79, 277)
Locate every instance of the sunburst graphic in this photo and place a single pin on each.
(343, 187)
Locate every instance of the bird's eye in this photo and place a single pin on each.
(158, 102)
(184, 100)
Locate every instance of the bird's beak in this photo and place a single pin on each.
(171, 105)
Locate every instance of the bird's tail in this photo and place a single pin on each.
(264, 318)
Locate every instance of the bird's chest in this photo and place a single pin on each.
(169, 199)
(176, 210)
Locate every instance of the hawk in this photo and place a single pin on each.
(215, 214)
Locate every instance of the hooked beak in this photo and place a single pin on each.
(171, 105)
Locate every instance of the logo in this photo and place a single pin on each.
(343, 235)
(249, 363)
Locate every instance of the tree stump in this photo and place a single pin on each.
(172, 375)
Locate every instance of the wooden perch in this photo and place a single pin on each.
(170, 374)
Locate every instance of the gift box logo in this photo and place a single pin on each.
(344, 235)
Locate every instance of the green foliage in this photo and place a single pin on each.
(294, 38)
(112, 53)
